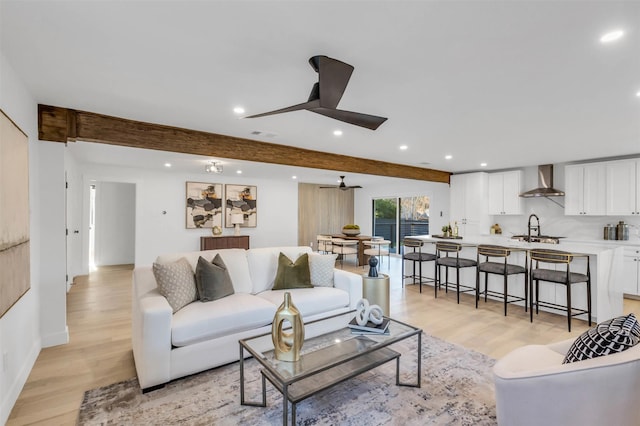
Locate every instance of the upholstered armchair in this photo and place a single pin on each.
(533, 387)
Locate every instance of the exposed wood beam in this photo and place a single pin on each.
(57, 124)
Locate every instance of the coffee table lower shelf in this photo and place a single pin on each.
(305, 388)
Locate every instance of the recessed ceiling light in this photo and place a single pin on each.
(483, 164)
(239, 172)
(167, 164)
(403, 147)
(238, 110)
(611, 36)
(294, 177)
(337, 133)
(638, 93)
(448, 157)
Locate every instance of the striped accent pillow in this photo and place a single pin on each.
(608, 337)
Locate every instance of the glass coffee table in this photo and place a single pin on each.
(325, 361)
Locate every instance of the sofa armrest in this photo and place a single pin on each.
(349, 282)
(151, 331)
(533, 387)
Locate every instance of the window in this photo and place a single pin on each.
(396, 218)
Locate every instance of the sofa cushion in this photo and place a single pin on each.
(292, 274)
(310, 301)
(212, 279)
(611, 336)
(321, 268)
(234, 259)
(263, 264)
(176, 283)
(199, 322)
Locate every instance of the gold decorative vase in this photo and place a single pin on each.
(287, 344)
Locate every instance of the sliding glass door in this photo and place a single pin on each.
(395, 218)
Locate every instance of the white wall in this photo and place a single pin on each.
(160, 213)
(20, 325)
(115, 226)
(438, 194)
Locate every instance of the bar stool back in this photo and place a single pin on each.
(496, 262)
(416, 254)
(448, 255)
(566, 278)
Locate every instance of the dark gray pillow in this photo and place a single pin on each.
(212, 279)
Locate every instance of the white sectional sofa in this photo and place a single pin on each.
(201, 336)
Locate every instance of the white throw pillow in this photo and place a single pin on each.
(321, 269)
(176, 283)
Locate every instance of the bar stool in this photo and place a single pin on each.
(448, 261)
(416, 255)
(503, 268)
(566, 278)
(345, 248)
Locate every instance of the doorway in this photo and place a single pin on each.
(111, 224)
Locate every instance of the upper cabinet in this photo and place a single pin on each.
(623, 187)
(585, 189)
(504, 193)
(469, 206)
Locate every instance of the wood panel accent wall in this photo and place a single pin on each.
(56, 124)
(14, 213)
(322, 211)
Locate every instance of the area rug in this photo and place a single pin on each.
(457, 389)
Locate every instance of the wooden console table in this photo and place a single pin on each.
(224, 242)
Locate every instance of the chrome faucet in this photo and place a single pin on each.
(531, 227)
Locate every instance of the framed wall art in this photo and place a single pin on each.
(14, 213)
(241, 199)
(203, 205)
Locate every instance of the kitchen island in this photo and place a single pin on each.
(605, 264)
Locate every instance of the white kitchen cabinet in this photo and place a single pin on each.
(469, 203)
(585, 189)
(631, 271)
(623, 187)
(504, 193)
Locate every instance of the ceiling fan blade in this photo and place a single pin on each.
(299, 107)
(371, 122)
(329, 187)
(333, 77)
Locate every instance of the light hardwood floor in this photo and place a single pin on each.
(99, 352)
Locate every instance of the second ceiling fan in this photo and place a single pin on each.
(343, 186)
(333, 77)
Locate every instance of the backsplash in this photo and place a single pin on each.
(554, 222)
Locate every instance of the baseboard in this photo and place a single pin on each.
(55, 339)
(13, 392)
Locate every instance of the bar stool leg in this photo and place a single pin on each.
(458, 284)
(420, 277)
(569, 306)
(505, 294)
(589, 299)
(477, 286)
(486, 284)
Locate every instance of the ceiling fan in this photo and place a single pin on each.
(342, 185)
(333, 77)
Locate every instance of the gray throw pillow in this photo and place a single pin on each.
(176, 283)
(213, 280)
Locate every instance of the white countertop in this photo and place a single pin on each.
(573, 246)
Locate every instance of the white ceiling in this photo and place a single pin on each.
(509, 83)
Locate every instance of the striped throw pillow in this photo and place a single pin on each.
(608, 337)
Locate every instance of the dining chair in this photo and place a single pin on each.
(378, 248)
(324, 243)
(344, 248)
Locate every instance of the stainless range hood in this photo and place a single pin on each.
(545, 184)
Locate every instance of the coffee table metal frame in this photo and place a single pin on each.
(333, 362)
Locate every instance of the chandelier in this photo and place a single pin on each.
(213, 167)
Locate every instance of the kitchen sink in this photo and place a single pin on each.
(537, 239)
